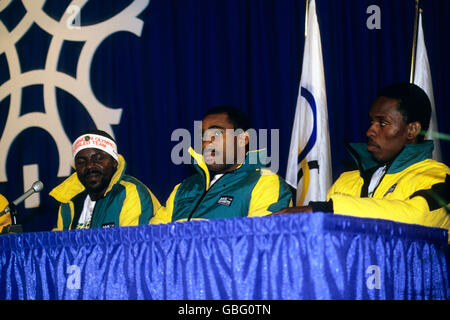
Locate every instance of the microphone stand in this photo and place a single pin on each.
(13, 227)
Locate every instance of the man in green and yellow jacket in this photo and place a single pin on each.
(239, 187)
(99, 194)
(396, 177)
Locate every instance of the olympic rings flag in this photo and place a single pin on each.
(422, 78)
(309, 163)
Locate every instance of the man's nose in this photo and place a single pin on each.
(89, 163)
(208, 140)
(371, 131)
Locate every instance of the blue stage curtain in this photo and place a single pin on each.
(298, 256)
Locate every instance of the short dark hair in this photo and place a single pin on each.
(414, 103)
(237, 117)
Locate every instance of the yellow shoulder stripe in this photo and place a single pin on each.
(265, 193)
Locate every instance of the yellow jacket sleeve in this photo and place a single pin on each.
(137, 210)
(5, 219)
(405, 197)
(164, 214)
(268, 195)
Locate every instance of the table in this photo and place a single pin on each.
(295, 256)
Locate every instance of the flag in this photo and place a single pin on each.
(309, 163)
(422, 78)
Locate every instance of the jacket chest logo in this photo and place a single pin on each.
(108, 225)
(225, 200)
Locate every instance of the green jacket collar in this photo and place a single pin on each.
(411, 154)
(72, 186)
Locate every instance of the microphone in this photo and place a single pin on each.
(36, 187)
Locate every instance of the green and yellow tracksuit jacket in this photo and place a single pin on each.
(127, 202)
(415, 189)
(248, 191)
(6, 218)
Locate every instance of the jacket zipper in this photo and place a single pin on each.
(379, 182)
(202, 197)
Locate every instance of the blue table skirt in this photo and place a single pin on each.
(295, 256)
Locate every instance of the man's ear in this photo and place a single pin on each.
(243, 139)
(413, 130)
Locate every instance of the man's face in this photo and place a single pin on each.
(95, 169)
(218, 142)
(388, 131)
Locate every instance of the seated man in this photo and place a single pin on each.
(239, 187)
(99, 194)
(397, 179)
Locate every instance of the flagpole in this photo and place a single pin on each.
(306, 17)
(413, 55)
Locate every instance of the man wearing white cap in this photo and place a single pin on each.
(99, 194)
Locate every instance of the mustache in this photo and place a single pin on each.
(92, 171)
(370, 142)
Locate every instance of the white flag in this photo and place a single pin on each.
(422, 78)
(309, 163)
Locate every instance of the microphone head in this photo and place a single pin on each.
(38, 186)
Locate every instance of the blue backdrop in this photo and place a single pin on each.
(182, 58)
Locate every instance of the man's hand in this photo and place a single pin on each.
(294, 210)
